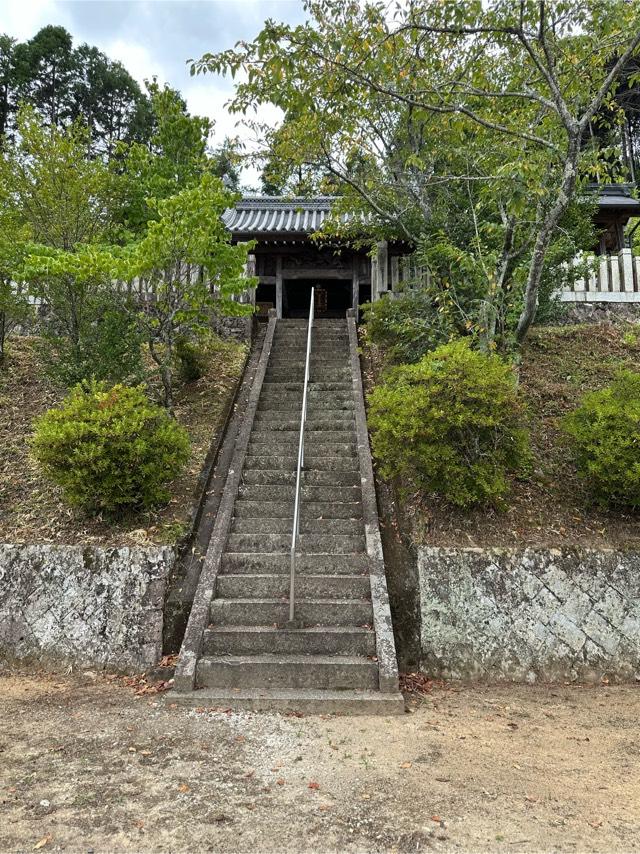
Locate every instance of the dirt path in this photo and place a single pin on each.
(85, 765)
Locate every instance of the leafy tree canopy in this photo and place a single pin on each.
(464, 122)
(64, 83)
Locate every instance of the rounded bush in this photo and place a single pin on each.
(604, 434)
(110, 449)
(451, 425)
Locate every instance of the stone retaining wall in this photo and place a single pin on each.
(524, 615)
(88, 606)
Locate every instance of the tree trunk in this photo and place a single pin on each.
(545, 236)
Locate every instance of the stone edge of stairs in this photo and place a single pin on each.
(185, 675)
(383, 627)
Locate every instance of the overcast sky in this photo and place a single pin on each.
(156, 37)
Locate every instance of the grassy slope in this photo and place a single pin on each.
(559, 364)
(31, 509)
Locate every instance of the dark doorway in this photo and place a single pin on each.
(265, 299)
(332, 297)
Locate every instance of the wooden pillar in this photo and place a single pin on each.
(279, 287)
(383, 260)
(355, 284)
(250, 272)
(374, 278)
(395, 274)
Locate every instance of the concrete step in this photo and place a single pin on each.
(337, 356)
(276, 586)
(288, 463)
(307, 702)
(324, 564)
(291, 374)
(307, 543)
(314, 445)
(275, 612)
(309, 478)
(288, 671)
(315, 421)
(313, 386)
(292, 437)
(261, 523)
(330, 400)
(286, 492)
(323, 640)
(308, 509)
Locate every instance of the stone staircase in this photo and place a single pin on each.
(248, 656)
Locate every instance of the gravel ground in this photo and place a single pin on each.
(87, 765)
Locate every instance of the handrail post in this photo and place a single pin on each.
(296, 501)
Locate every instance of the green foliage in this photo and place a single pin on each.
(604, 434)
(108, 349)
(89, 326)
(174, 160)
(49, 179)
(575, 237)
(192, 359)
(15, 308)
(406, 327)
(188, 235)
(110, 449)
(451, 425)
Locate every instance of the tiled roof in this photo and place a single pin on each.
(275, 215)
(616, 197)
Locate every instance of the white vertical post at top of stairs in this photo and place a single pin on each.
(296, 500)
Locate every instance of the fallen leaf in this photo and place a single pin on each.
(184, 788)
(280, 782)
(44, 841)
(435, 818)
(314, 785)
(405, 765)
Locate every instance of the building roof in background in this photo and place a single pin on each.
(275, 215)
(614, 198)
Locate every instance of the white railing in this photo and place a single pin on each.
(300, 465)
(611, 278)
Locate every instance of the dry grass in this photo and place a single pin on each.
(32, 510)
(550, 507)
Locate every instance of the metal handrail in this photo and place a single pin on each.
(296, 501)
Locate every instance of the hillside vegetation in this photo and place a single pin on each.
(550, 505)
(31, 509)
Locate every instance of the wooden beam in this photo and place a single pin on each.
(316, 273)
(279, 287)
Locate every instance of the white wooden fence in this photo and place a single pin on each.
(612, 278)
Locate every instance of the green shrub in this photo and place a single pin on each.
(406, 327)
(193, 359)
(604, 433)
(451, 425)
(109, 350)
(110, 449)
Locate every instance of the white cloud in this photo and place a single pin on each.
(136, 58)
(22, 20)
